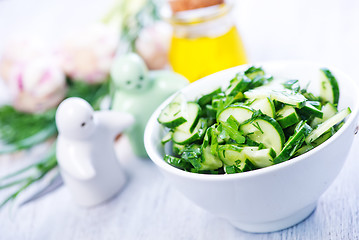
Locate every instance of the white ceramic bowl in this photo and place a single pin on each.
(271, 198)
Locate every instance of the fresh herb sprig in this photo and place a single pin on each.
(23, 130)
(33, 173)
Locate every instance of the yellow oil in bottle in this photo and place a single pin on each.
(199, 57)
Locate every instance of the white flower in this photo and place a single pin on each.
(18, 51)
(37, 85)
(153, 45)
(87, 55)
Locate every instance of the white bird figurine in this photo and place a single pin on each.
(85, 150)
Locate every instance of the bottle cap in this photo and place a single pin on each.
(184, 5)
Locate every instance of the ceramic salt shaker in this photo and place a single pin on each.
(139, 92)
(85, 150)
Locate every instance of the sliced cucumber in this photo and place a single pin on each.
(287, 116)
(260, 92)
(243, 166)
(246, 165)
(167, 137)
(294, 142)
(261, 158)
(329, 89)
(315, 103)
(288, 97)
(174, 114)
(305, 148)
(265, 130)
(338, 126)
(177, 148)
(210, 161)
(237, 156)
(328, 110)
(181, 136)
(234, 130)
(325, 126)
(254, 72)
(265, 105)
(240, 113)
(229, 154)
(309, 110)
(193, 110)
(292, 84)
(324, 137)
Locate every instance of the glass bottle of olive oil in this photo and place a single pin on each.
(205, 41)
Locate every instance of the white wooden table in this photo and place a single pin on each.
(149, 208)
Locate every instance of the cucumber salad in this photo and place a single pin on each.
(254, 123)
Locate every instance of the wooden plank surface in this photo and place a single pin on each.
(149, 208)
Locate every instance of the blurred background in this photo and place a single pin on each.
(321, 31)
(324, 31)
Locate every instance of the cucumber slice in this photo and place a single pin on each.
(243, 166)
(292, 85)
(305, 148)
(240, 113)
(254, 72)
(229, 154)
(177, 148)
(193, 110)
(246, 165)
(265, 130)
(338, 126)
(257, 93)
(287, 116)
(329, 89)
(294, 142)
(210, 161)
(328, 110)
(309, 110)
(233, 155)
(324, 137)
(288, 97)
(265, 105)
(315, 103)
(261, 158)
(325, 126)
(181, 136)
(167, 137)
(174, 114)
